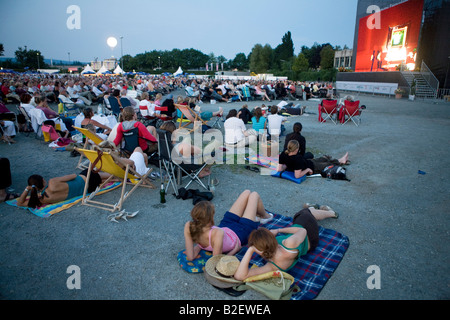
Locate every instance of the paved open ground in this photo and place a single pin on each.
(394, 217)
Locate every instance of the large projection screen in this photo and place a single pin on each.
(389, 38)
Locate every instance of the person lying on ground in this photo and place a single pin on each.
(282, 248)
(244, 216)
(58, 189)
(291, 160)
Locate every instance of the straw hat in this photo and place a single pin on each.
(219, 271)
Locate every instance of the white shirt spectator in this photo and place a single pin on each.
(274, 122)
(234, 130)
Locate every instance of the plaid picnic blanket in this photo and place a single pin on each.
(314, 269)
(48, 210)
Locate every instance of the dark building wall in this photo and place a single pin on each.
(434, 43)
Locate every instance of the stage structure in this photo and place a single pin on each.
(400, 43)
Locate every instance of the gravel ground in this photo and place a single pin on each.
(394, 217)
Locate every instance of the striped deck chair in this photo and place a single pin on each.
(89, 136)
(188, 114)
(113, 165)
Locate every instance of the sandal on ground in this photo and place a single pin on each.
(10, 196)
(327, 208)
(311, 205)
(254, 169)
(263, 221)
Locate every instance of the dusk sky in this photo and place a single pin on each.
(221, 27)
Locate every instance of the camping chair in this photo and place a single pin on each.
(70, 107)
(88, 136)
(175, 166)
(145, 114)
(162, 117)
(329, 108)
(33, 126)
(189, 91)
(28, 122)
(246, 93)
(112, 164)
(351, 110)
(114, 105)
(125, 102)
(165, 161)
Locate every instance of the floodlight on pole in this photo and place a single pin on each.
(112, 42)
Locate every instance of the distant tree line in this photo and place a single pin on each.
(314, 63)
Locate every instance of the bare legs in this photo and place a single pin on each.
(249, 205)
(218, 113)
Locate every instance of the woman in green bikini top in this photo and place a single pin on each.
(281, 252)
(282, 248)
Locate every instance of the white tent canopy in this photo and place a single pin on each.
(102, 70)
(88, 69)
(179, 71)
(118, 70)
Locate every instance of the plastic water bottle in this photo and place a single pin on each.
(329, 176)
(162, 193)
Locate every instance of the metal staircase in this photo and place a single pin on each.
(423, 89)
(426, 83)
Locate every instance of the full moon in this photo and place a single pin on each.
(112, 42)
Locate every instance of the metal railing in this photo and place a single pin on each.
(429, 77)
(443, 93)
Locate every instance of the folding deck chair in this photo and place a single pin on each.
(191, 117)
(188, 117)
(88, 136)
(28, 121)
(327, 110)
(349, 111)
(109, 163)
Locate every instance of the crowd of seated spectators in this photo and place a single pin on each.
(266, 90)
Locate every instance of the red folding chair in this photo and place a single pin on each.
(145, 113)
(349, 111)
(327, 109)
(162, 117)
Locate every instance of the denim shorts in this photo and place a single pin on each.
(241, 226)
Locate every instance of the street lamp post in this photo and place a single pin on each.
(159, 59)
(121, 53)
(38, 60)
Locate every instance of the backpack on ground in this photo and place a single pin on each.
(334, 172)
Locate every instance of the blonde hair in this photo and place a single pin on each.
(292, 146)
(202, 216)
(168, 126)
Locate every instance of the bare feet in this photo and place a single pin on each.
(344, 159)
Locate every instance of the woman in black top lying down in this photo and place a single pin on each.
(291, 160)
